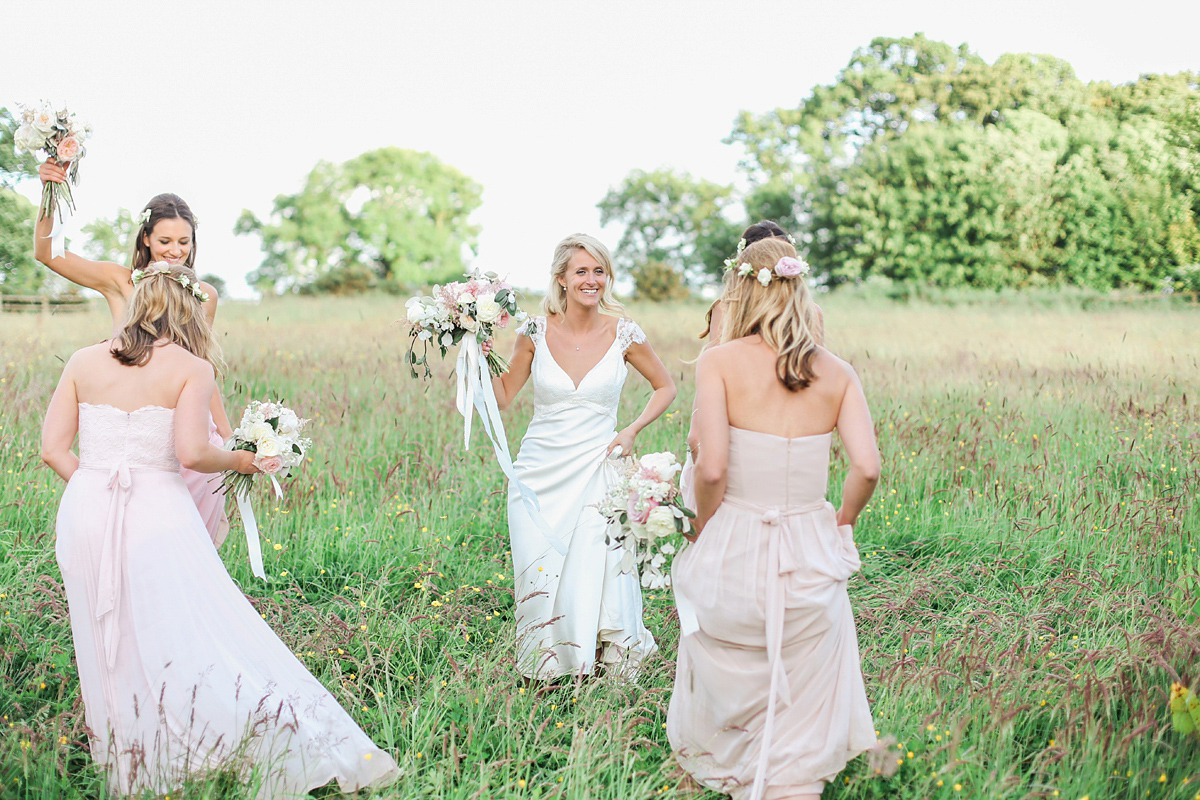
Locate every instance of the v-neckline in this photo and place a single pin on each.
(553, 360)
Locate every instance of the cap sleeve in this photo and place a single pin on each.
(535, 329)
(628, 333)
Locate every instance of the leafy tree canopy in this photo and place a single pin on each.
(400, 217)
(923, 163)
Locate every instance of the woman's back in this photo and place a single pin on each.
(102, 380)
(756, 400)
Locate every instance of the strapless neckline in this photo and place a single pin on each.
(150, 407)
(777, 436)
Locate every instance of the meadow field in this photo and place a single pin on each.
(1030, 584)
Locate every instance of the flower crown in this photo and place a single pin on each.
(786, 267)
(163, 268)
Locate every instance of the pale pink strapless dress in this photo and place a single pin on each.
(769, 697)
(177, 670)
(203, 486)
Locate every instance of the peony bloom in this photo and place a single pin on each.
(788, 267)
(69, 149)
(269, 464)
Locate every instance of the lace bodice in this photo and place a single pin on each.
(111, 437)
(600, 389)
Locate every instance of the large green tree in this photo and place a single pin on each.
(671, 219)
(19, 273)
(389, 217)
(110, 239)
(922, 162)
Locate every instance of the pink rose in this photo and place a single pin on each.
(500, 323)
(640, 517)
(269, 464)
(68, 149)
(788, 267)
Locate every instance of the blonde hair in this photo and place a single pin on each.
(161, 308)
(555, 301)
(782, 312)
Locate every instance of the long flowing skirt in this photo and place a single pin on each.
(568, 606)
(178, 672)
(768, 686)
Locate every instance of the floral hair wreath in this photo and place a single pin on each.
(163, 268)
(786, 267)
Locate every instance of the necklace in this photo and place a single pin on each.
(574, 336)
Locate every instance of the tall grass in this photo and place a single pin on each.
(1021, 609)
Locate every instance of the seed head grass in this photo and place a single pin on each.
(1028, 592)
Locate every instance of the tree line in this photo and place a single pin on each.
(923, 163)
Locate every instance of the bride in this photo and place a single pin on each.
(166, 232)
(179, 674)
(576, 608)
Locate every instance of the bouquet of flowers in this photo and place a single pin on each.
(272, 432)
(60, 135)
(644, 506)
(475, 307)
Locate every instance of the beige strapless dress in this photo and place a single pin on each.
(769, 698)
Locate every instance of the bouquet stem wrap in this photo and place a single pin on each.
(475, 394)
(253, 546)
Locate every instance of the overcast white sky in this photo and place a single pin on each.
(547, 104)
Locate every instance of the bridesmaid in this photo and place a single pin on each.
(166, 232)
(179, 674)
(578, 608)
(712, 332)
(769, 699)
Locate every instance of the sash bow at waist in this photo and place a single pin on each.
(781, 560)
(112, 549)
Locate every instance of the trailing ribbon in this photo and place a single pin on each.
(108, 590)
(475, 393)
(251, 525)
(57, 237)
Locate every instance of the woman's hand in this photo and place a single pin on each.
(623, 440)
(244, 462)
(51, 172)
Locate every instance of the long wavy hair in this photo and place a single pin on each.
(161, 308)
(163, 206)
(555, 301)
(782, 312)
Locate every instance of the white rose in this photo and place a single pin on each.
(288, 421)
(465, 299)
(260, 431)
(44, 119)
(664, 465)
(660, 523)
(269, 446)
(764, 276)
(28, 138)
(414, 309)
(487, 310)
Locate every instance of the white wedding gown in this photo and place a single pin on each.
(179, 674)
(570, 606)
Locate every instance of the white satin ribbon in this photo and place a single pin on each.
(57, 237)
(253, 548)
(475, 393)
